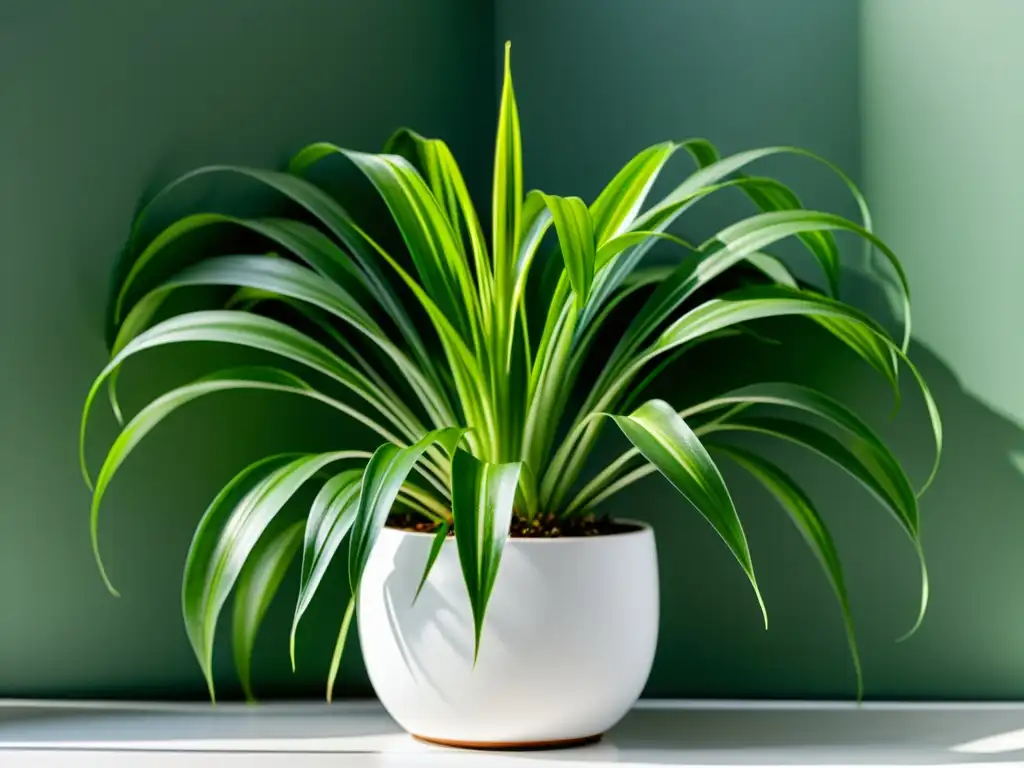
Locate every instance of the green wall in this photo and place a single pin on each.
(914, 98)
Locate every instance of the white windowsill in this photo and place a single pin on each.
(707, 733)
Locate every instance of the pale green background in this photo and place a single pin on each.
(918, 99)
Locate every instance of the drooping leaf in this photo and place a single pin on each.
(240, 493)
(711, 171)
(339, 647)
(260, 579)
(329, 521)
(819, 404)
(807, 520)
(382, 479)
(859, 462)
(760, 302)
(255, 377)
(665, 440)
(256, 332)
(772, 195)
(769, 227)
(279, 277)
(225, 540)
(435, 549)
(318, 203)
(482, 499)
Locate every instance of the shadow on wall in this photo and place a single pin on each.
(712, 641)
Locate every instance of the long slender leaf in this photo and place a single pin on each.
(217, 568)
(240, 493)
(248, 330)
(287, 279)
(260, 579)
(256, 377)
(819, 404)
(665, 440)
(435, 549)
(382, 479)
(339, 647)
(482, 499)
(437, 165)
(858, 463)
(773, 195)
(329, 521)
(576, 238)
(508, 184)
(620, 201)
(327, 210)
(807, 520)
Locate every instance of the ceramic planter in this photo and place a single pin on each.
(567, 643)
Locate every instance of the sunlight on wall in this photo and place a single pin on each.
(943, 121)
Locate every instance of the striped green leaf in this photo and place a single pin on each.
(482, 499)
(807, 520)
(260, 579)
(859, 462)
(227, 536)
(382, 479)
(255, 377)
(329, 521)
(576, 238)
(665, 440)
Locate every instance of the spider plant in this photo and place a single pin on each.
(463, 352)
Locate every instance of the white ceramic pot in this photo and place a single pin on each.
(567, 642)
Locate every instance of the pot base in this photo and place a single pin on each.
(512, 746)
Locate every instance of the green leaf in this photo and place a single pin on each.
(821, 405)
(382, 479)
(807, 520)
(240, 493)
(620, 201)
(433, 246)
(330, 519)
(507, 198)
(709, 176)
(339, 647)
(435, 549)
(249, 330)
(769, 227)
(772, 195)
(860, 462)
(225, 540)
(261, 577)
(576, 238)
(482, 499)
(264, 378)
(665, 440)
(287, 279)
(858, 331)
(306, 242)
(746, 238)
(760, 302)
(327, 210)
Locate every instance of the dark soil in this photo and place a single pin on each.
(542, 527)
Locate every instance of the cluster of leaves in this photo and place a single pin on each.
(480, 406)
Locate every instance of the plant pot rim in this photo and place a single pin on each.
(639, 528)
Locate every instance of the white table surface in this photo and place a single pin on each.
(706, 733)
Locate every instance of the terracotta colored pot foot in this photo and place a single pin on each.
(512, 746)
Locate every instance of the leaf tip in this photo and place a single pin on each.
(924, 599)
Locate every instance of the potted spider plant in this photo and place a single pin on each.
(466, 354)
